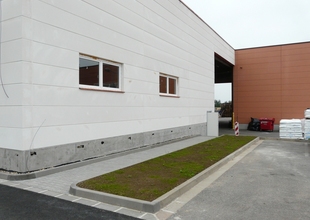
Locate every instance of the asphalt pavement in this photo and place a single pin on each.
(271, 182)
(22, 204)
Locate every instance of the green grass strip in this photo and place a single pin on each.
(151, 179)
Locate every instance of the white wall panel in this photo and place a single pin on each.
(11, 116)
(164, 112)
(40, 56)
(12, 51)
(136, 73)
(15, 93)
(13, 8)
(12, 73)
(12, 29)
(161, 123)
(50, 96)
(54, 56)
(11, 138)
(42, 74)
(72, 115)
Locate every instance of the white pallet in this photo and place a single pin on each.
(307, 113)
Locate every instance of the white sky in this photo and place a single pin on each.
(254, 23)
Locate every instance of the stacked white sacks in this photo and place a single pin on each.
(291, 129)
(307, 124)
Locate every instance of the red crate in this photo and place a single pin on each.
(266, 124)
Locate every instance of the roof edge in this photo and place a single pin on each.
(205, 23)
(276, 45)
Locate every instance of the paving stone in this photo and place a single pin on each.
(10, 183)
(163, 214)
(108, 207)
(86, 202)
(130, 212)
(34, 189)
(68, 197)
(51, 193)
(21, 186)
(174, 206)
(148, 216)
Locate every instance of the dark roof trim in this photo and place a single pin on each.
(205, 22)
(222, 60)
(278, 45)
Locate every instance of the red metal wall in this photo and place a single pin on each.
(272, 82)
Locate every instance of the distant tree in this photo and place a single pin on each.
(217, 103)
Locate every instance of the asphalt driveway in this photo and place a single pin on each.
(272, 182)
(21, 204)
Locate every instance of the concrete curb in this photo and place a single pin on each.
(284, 139)
(162, 201)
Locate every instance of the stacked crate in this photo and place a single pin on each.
(307, 125)
(291, 129)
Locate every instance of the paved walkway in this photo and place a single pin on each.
(57, 185)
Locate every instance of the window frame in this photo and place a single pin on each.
(168, 77)
(100, 87)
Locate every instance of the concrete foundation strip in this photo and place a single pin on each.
(164, 200)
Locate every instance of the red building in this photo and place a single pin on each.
(272, 82)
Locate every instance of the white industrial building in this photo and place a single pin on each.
(86, 78)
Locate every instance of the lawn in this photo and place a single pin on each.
(151, 179)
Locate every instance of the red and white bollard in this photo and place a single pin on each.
(237, 128)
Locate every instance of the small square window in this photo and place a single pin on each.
(168, 85)
(99, 73)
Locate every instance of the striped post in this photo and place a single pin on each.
(236, 128)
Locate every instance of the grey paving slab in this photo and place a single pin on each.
(68, 197)
(164, 214)
(86, 202)
(108, 207)
(174, 206)
(271, 182)
(34, 189)
(9, 183)
(148, 216)
(60, 182)
(51, 193)
(20, 186)
(130, 212)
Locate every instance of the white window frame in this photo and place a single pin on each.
(100, 87)
(167, 86)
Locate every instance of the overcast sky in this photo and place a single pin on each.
(254, 23)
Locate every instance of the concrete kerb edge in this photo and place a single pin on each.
(52, 170)
(284, 139)
(156, 205)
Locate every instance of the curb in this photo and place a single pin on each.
(284, 139)
(156, 205)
